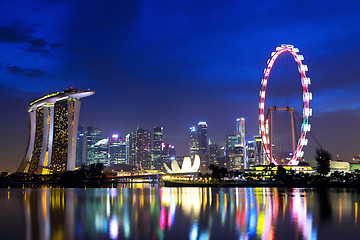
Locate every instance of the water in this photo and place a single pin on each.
(148, 212)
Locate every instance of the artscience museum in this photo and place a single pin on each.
(188, 165)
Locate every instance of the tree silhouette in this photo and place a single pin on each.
(322, 158)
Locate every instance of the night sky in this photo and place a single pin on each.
(175, 63)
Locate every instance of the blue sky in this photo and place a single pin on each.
(174, 63)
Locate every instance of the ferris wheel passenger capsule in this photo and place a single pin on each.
(307, 81)
(307, 112)
(304, 142)
(300, 154)
(304, 68)
(296, 50)
(306, 127)
(301, 57)
(307, 96)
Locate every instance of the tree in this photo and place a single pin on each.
(281, 173)
(322, 158)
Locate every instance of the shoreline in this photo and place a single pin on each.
(185, 184)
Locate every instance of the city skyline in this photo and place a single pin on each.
(175, 64)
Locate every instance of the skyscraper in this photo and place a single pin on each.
(214, 153)
(101, 152)
(117, 150)
(158, 140)
(80, 147)
(53, 122)
(92, 136)
(143, 149)
(240, 131)
(193, 142)
(234, 152)
(203, 145)
(130, 148)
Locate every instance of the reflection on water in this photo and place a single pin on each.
(148, 212)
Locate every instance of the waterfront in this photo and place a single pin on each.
(143, 211)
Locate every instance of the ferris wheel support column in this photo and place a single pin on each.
(292, 129)
(271, 136)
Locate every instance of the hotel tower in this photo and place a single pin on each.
(53, 126)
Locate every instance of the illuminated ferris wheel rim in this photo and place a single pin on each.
(307, 96)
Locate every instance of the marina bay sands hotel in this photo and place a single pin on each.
(53, 121)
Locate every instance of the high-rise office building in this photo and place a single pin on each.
(130, 148)
(92, 136)
(80, 147)
(203, 145)
(193, 142)
(117, 150)
(101, 152)
(234, 152)
(214, 153)
(53, 122)
(168, 153)
(143, 149)
(158, 141)
(240, 131)
(251, 153)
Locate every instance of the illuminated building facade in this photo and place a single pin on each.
(130, 148)
(158, 141)
(53, 127)
(117, 150)
(193, 141)
(203, 145)
(92, 136)
(240, 131)
(80, 147)
(101, 152)
(143, 149)
(214, 153)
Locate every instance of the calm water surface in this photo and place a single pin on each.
(149, 212)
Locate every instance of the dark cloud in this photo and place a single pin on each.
(55, 45)
(36, 45)
(28, 72)
(17, 33)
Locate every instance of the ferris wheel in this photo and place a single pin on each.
(306, 111)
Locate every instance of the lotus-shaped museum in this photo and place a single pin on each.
(186, 166)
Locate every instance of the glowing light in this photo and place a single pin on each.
(304, 142)
(261, 105)
(162, 218)
(304, 68)
(194, 232)
(261, 117)
(307, 96)
(300, 154)
(306, 127)
(306, 81)
(262, 94)
(114, 228)
(307, 112)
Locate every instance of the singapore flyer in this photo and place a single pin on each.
(266, 135)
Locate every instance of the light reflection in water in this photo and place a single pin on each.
(181, 213)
